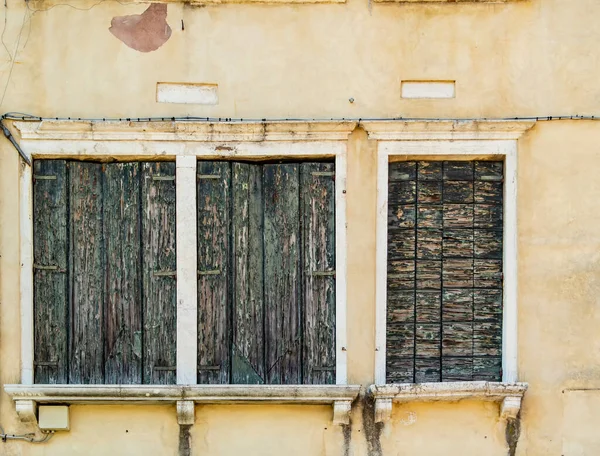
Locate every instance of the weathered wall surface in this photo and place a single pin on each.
(538, 57)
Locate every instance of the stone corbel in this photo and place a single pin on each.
(383, 410)
(511, 406)
(26, 410)
(341, 412)
(186, 412)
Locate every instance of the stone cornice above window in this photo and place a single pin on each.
(509, 394)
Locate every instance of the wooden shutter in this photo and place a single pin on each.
(269, 317)
(444, 271)
(100, 232)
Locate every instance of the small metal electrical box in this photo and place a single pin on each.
(53, 417)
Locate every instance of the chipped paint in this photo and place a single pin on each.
(144, 32)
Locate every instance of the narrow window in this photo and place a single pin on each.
(266, 271)
(444, 279)
(104, 272)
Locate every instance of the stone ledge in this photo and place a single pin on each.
(510, 394)
(26, 397)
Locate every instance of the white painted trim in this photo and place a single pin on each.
(468, 149)
(341, 324)
(187, 271)
(381, 267)
(509, 394)
(510, 253)
(461, 147)
(26, 276)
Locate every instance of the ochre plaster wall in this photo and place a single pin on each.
(537, 57)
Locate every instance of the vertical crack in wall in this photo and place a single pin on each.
(185, 440)
(372, 430)
(512, 433)
(144, 32)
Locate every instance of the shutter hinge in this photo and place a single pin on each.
(322, 273)
(209, 176)
(54, 268)
(44, 177)
(323, 173)
(210, 272)
(163, 178)
(164, 273)
(208, 368)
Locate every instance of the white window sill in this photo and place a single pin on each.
(509, 394)
(27, 397)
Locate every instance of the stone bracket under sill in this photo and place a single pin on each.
(28, 397)
(509, 394)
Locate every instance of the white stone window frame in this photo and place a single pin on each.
(447, 140)
(183, 142)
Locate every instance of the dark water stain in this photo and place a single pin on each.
(144, 32)
(512, 433)
(371, 428)
(185, 440)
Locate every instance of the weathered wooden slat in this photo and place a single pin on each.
(401, 306)
(488, 244)
(458, 273)
(457, 369)
(399, 369)
(487, 305)
(317, 196)
(403, 192)
(429, 274)
(401, 216)
(159, 291)
(50, 250)
(488, 192)
(122, 299)
(487, 273)
(427, 339)
(248, 302)
(401, 244)
(86, 266)
(429, 244)
(457, 304)
(429, 192)
(457, 339)
(458, 170)
(458, 215)
(402, 171)
(458, 243)
(428, 306)
(401, 275)
(214, 342)
(427, 369)
(400, 339)
(488, 216)
(429, 216)
(489, 171)
(282, 274)
(458, 192)
(429, 170)
(487, 368)
(487, 339)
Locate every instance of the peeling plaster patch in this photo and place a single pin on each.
(513, 431)
(408, 419)
(144, 32)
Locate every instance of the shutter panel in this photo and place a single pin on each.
(317, 194)
(50, 271)
(248, 362)
(281, 273)
(444, 271)
(123, 311)
(159, 264)
(86, 275)
(214, 180)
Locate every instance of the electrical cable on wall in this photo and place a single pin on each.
(26, 437)
(29, 117)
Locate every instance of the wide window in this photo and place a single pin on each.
(105, 301)
(444, 271)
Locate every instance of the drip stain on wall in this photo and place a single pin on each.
(144, 32)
